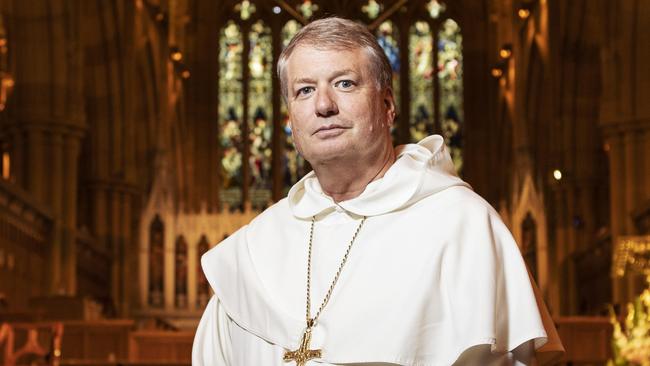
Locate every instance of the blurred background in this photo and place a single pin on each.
(137, 134)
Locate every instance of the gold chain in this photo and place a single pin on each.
(312, 321)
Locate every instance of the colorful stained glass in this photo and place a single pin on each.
(450, 77)
(294, 166)
(421, 81)
(230, 113)
(260, 113)
(436, 8)
(387, 37)
(288, 31)
(245, 9)
(372, 9)
(307, 8)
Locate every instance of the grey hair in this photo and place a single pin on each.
(336, 33)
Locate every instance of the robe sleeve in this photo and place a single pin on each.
(489, 294)
(212, 339)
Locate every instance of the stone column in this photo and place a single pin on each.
(69, 211)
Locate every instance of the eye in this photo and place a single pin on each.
(304, 90)
(345, 84)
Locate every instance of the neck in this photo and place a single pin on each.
(347, 180)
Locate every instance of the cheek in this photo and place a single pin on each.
(296, 133)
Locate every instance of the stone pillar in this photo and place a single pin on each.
(69, 211)
(57, 154)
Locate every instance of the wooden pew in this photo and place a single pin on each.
(586, 339)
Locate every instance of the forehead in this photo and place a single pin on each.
(308, 60)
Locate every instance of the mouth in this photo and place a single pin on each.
(330, 130)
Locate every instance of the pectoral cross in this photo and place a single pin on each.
(302, 354)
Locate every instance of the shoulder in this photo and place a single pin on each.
(458, 204)
(276, 214)
(268, 220)
(467, 222)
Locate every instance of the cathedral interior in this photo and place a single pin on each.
(137, 134)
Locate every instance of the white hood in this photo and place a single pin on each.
(419, 171)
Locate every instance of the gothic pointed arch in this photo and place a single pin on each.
(180, 272)
(156, 262)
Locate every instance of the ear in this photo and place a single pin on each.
(389, 101)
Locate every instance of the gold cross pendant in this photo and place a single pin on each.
(302, 354)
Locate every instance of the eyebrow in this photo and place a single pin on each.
(336, 74)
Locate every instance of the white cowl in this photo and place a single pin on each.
(433, 272)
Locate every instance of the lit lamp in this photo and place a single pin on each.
(525, 8)
(175, 54)
(185, 73)
(505, 52)
(523, 13)
(499, 70)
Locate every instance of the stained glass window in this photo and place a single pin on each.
(435, 8)
(435, 86)
(372, 9)
(288, 31)
(421, 81)
(230, 113)
(260, 113)
(388, 37)
(307, 8)
(450, 77)
(245, 9)
(293, 164)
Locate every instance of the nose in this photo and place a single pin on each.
(325, 104)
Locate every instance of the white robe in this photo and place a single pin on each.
(434, 274)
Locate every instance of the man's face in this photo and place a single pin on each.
(336, 108)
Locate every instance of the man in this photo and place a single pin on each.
(380, 256)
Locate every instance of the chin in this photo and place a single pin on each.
(320, 156)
